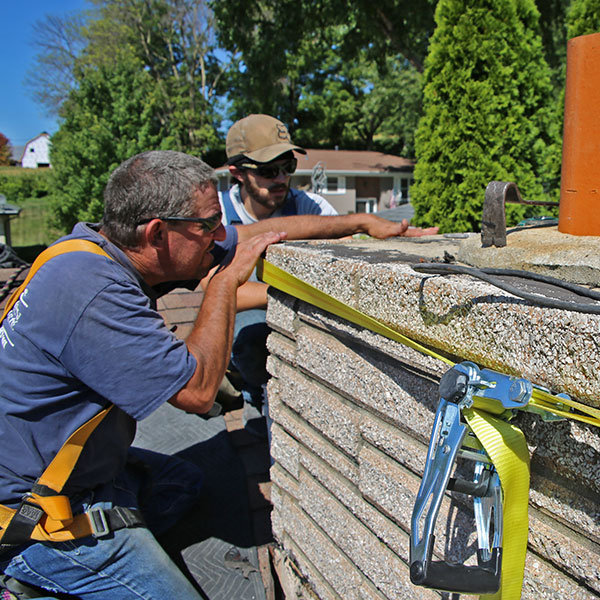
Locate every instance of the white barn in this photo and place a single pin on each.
(36, 153)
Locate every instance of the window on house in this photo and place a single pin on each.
(401, 193)
(335, 184)
(366, 205)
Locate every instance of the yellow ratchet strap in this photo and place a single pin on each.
(58, 523)
(504, 443)
(506, 446)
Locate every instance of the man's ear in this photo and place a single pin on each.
(155, 233)
(236, 173)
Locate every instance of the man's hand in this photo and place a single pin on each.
(247, 254)
(382, 228)
(418, 232)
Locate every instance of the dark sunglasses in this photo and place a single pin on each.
(272, 171)
(208, 224)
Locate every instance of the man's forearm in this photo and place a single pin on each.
(210, 343)
(323, 227)
(251, 295)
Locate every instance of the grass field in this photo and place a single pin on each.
(31, 227)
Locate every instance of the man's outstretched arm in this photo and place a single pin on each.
(303, 227)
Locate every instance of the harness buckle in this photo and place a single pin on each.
(461, 387)
(98, 522)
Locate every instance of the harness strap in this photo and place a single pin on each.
(45, 514)
(45, 256)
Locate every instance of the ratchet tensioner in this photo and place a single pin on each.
(463, 386)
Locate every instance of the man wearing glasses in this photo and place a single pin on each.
(83, 339)
(261, 161)
(83, 336)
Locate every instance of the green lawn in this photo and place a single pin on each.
(31, 227)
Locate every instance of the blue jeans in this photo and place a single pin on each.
(249, 353)
(128, 563)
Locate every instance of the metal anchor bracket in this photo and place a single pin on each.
(462, 386)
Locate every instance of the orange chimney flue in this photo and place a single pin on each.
(580, 176)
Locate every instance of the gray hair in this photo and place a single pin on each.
(159, 183)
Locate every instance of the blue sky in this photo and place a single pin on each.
(20, 117)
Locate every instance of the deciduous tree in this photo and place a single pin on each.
(59, 41)
(329, 69)
(5, 150)
(112, 114)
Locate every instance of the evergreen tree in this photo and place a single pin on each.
(488, 113)
(583, 18)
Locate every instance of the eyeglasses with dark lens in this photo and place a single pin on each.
(272, 171)
(208, 224)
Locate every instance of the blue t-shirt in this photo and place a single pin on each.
(84, 334)
(296, 203)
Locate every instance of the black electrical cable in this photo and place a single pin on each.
(491, 276)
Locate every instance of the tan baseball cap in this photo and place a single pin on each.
(260, 138)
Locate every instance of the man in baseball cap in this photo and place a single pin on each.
(261, 158)
(261, 161)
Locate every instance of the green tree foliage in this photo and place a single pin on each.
(356, 106)
(175, 42)
(338, 73)
(583, 18)
(488, 113)
(5, 150)
(554, 38)
(112, 114)
(147, 78)
(21, 185)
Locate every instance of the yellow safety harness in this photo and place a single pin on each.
(45, 513)
(504, 443)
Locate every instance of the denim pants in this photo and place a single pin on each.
(249, 353)
(128, 563)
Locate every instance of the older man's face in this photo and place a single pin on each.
(190, 243)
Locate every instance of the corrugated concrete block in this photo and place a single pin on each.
(568, 449)
(393, 490)
(284, 348)
(543, 583)
(285, 450)
(363, 508)
(375, 384)
(281, 312)
(326, 560)
(565, 551)
(374, 560)
(568, 504)
(306, 435)
(395, 537)
(335, 419)
(345, 330)
(458, 314)
(394, 442)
